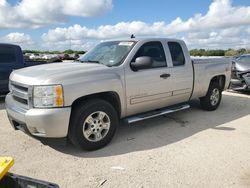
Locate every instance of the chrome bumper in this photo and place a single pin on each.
(51, 123)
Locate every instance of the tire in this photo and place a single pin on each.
(213, 97)
(87, 129)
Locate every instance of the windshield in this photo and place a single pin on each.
(108, 53)
(244, 59)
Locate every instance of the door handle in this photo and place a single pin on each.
(165, 76)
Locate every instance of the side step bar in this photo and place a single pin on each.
(156, 113)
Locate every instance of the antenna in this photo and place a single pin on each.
(132, 36)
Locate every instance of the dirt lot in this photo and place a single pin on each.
(193, 148)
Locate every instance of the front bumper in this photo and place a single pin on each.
(240, 81)
(52, 123)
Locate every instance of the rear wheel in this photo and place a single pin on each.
(213, 97)
(93, 124)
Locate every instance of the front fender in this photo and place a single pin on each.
(94, 85)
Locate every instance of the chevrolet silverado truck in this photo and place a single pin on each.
(11, 58)
(130, 80)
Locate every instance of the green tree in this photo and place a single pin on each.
(242, 51)
(231, 52)
(69, 51)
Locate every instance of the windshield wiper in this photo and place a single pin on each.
(90, 61)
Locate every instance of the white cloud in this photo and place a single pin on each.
(122, 29)
(218, 39)
(221, 14)
(231, 32)
(68, 44)
(2, 2)
(248, 30)
(18, 38)
(21, 39)
(223, 26)
(35, 13)
(223, 23)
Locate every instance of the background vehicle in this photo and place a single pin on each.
(241, 73)
(132, 80)
(11, 58)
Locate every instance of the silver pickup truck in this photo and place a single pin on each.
(132, 80)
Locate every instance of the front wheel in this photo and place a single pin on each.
(93, 124)
(213, 97)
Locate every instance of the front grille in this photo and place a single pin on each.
(22, 88)
(23, 101)
(20, 93)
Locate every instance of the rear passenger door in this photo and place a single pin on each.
(8, 62)
(182, 72)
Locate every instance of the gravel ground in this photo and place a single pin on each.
(192, 148)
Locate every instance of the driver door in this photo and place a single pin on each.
(150, 88)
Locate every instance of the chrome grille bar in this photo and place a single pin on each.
(20, 93)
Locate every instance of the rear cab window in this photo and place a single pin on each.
(7, 54)
(177, 54)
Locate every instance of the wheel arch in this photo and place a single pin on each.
(109, 96)
(220, 79)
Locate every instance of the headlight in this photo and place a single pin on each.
(48, 96)
(10, 86)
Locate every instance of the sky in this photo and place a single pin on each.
(81, 24)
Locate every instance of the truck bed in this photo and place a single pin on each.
(207, 68)
(215, 60)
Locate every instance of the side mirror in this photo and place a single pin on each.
(143, 62)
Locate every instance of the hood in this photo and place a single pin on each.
(54, 73)
(242, 66)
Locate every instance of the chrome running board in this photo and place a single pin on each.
(156, 113)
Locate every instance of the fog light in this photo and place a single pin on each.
(40, 130)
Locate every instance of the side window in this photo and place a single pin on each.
(155, 51)
(7, 55)
(177, 54)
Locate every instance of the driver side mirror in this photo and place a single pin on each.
(143, 62)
